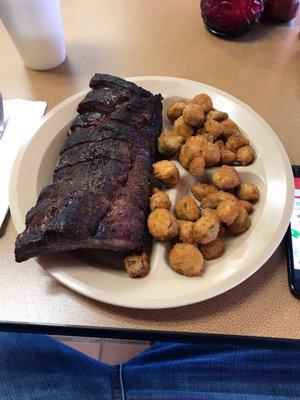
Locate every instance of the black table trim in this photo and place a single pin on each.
(144, 335)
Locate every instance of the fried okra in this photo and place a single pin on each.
(228, 157)
(212, 130)
(201, 190)
(187, 153)
(193, 115)
(169, 143)
(213, 249)
(167, 172)
(212, 200)
(197, 167)
(175, 109)
(247, 205)
(211, 154)
(162, 224)
(245, 155)
(187, 209)
(186, 259)
(137, 265)
(204, 101)
(236, 141)
(226, 178)
(185, 233)
(182, 129)
(197, 141)
(227, 211)
(217, 116)
(207, 227)
(229, 128)
(160, 199)
(241, 223)
(248, 191)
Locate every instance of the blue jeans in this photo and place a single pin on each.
(36, 367)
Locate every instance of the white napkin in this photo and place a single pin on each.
(21, 118)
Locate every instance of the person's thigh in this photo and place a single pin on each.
(36, 367)
(213, 372)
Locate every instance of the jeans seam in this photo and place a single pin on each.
(117, 383)
(121, 381)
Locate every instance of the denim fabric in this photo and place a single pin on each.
(213, 372)
(37, 367)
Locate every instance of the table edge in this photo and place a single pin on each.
(145, 335)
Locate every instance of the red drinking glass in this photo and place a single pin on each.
(231, 17)
(280, 10)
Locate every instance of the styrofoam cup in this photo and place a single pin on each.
(35, 27)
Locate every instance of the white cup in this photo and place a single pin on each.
(35, 27)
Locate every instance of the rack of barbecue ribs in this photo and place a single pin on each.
(101, 186)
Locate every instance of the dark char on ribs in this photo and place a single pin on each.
(101, 186)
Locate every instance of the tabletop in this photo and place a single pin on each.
(141, 37)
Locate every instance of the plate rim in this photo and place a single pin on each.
(267, 252)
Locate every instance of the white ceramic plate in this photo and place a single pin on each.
(97, 277)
